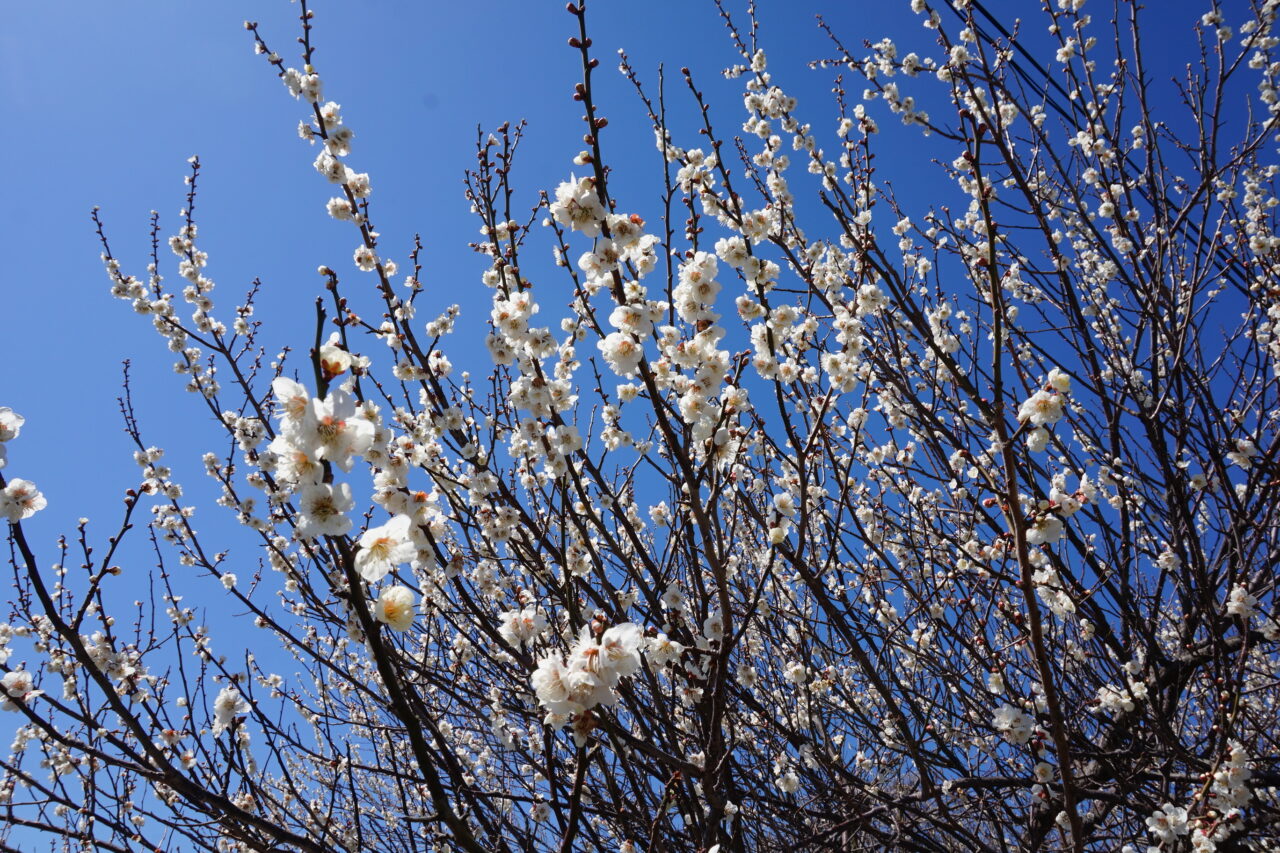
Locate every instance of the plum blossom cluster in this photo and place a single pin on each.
(596, 665)
(315, 436)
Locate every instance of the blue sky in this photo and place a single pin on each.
(107, 101)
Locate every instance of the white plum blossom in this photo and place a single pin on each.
(620, 648)
(796, 672)
(1117, 701)
(323, 508)
(1244, 453)
(228, 705)
(578, 206)
(338, 430)
(1016, 725)
(521, 627)
(395, 607)
(384, 547)
(662, 650)
(1230, 781)
(593, 671)
(622, 352)
(18, 687)
(871, 300)
(293, 465)
(1242, 603)
(10, 424)
(1042, 408)
(333, 429)
(293, 402)
(366, 259)
(636, 319)
(1168, 822)
(1045, 530)
(698, 288)
(20, 500)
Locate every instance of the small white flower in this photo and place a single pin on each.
(1168, 822)
(788, 782)
(519, 627)
(21, 500)
(17, 687)
(395, 608)
(1043, 407)
(10, 424)
(366, 259)
(663, 650)
(1244, 453)
(323, 506)
(622, 352)
(385, 547)
(229, 705)
(1045, 531)
(1240, 602)
(578, 206)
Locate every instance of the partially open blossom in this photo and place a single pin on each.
(395, 607)
(334, 360)
(10, 424)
